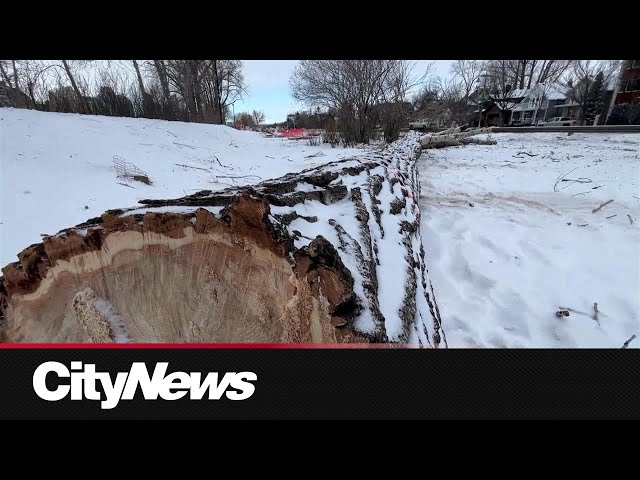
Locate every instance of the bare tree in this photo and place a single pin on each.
(196, 90)
(426, 101)
(206, 87)
(580, 78)
(15, 75)
(352, 88)
(67, 66)
(527, 73)
(161, 72)
(455, 107)
(229, 84)
(500, 82)
(32, 71)
(26, 78)
(258, 117)
(245, 119)
(467, 73)
(551, 71)
(148, 107)
(4, 72)
(396, 110)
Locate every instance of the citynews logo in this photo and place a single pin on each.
(176, 385)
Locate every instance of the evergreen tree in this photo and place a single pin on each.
(619, 115)
(634, 114)
(595, 98)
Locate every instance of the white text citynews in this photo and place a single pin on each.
(176, 385)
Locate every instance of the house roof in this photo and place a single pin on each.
(519, 93)
(567, 105)
(555, 93)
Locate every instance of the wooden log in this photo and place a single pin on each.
(302, 258)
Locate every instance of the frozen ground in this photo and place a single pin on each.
(57, 169)
(502, 267)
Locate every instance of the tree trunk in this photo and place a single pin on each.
(255, 271)
(146, 100)
(32, 95)
(72, 80)
(189, 86)
(15, 76)
(5, 76)
(217, 92)
(164, 84)
(533, 66)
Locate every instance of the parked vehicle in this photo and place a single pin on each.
(558, 122)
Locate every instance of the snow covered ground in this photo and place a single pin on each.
(57, 169)
(507, 242)
(505, 249)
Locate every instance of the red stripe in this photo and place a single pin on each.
(197, 345)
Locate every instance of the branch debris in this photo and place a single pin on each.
(603, 205)
(559, 179)
(190, 166)
(626, 344)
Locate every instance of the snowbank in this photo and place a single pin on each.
(57, 169)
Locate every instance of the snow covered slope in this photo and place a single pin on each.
(57, 169)
(332, 254)
(506, 250)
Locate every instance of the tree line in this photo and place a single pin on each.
(365, 98)
(474, 82)
(186, 90)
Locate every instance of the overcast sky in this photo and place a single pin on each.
(268, 82)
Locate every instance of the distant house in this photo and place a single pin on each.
(539, 103)
(624, 106)
(492, 114)
(628, 90)
(520, 106)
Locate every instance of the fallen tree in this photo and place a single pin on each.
(454, 137)
(332, 254)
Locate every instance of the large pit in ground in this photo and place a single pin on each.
(178, 278)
